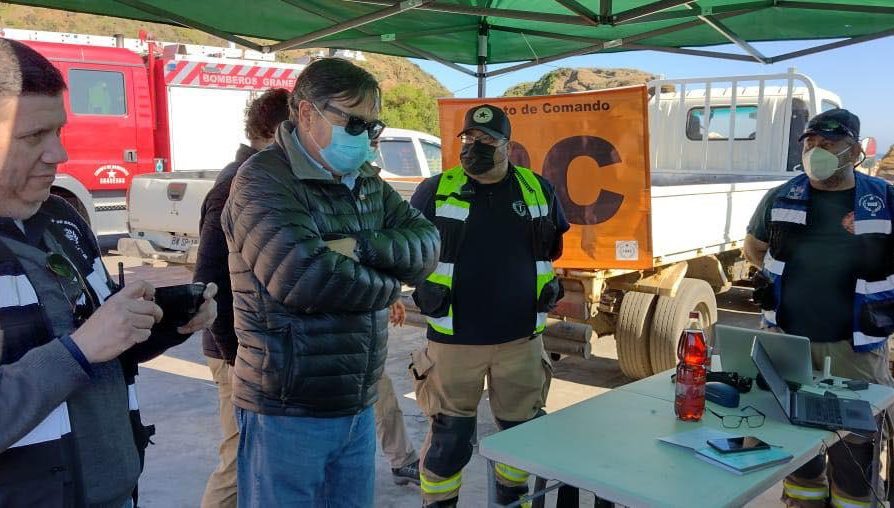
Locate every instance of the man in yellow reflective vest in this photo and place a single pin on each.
(486, 303)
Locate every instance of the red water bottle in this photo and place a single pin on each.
(692, 350)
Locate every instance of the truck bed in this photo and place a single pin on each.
(164, 208)
(692, 219)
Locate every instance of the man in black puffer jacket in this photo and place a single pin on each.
(262, 117)
(319, 246)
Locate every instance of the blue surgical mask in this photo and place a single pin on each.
(345, 153)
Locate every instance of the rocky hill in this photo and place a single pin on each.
(567, 80)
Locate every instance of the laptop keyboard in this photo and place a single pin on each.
(822, 410)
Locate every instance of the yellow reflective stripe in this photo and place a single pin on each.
(446, 204)
(804, 493)
(532, 192)
(441, 487)
(510, 473)
(442, 275)
(541, 322)
(545, 274)
(839, 501)
(452, 181)
(444, 324)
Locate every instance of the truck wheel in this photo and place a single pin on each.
(632, 334)
(672, 316)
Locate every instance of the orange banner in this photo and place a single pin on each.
(593, 147)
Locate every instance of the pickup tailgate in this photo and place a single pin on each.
(164, 208)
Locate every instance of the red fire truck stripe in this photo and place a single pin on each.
(181, 71)
(193, 77)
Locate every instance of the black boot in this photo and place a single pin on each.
(406, 474)
(447, 503)
(506, 494)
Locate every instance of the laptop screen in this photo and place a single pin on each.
(777, 385)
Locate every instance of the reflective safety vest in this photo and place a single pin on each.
(874, 285)
(452, 208)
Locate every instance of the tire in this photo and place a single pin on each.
(672, 316)
(632, 334)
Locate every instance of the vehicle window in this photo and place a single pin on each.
(432, 156)
(97, 92)
(398, 156)
(718, 124)
(826, 105)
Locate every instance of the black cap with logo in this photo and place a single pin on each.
(834, 124)
(488, 119)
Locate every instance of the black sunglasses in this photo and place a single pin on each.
(832, 127)
(82, 305)
(355, 125)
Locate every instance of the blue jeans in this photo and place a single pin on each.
(301, 461)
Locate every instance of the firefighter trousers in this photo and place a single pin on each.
(449, 381)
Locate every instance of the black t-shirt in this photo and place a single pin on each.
(494, 280)
(818, 294)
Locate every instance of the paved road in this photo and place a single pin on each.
(177, 395)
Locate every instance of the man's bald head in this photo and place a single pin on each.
(24, 71)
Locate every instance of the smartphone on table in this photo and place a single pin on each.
(738, 444)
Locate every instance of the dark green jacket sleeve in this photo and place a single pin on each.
(406, 247)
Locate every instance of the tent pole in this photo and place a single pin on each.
(482, 59)
(191, 23)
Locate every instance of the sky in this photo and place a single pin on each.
(858, 74)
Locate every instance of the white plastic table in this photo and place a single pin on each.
(609, 445)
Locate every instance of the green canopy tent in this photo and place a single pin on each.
(529, 32)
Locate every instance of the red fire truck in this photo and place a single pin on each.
(146, 108)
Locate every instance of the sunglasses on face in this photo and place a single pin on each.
(354, 125)
(468, 139)
(82, 305)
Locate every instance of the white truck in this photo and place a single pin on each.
(717, 145)
(163, 209)
(659, 196)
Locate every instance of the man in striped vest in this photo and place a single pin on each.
(70, 338)
(824, 245)
(501, 227)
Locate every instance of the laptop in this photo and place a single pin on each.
(810, 409)
(790, 353)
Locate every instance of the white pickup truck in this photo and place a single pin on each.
(163, 209)
(659, 184)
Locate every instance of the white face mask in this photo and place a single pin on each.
(820, 164)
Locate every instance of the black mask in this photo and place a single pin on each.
(477, 158)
